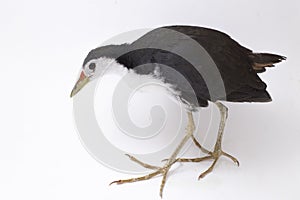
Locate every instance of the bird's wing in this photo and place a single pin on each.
(192, 52)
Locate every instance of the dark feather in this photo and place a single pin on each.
(237, 65)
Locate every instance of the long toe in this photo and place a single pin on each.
(143, 164)
(231, 157)
(141, 178)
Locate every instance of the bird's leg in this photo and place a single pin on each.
(204, 150)
(217, 153)
(165, 169)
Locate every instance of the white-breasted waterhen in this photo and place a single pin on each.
(214, 68)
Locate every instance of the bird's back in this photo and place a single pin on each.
(237, 65)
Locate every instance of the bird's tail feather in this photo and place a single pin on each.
(263, 60)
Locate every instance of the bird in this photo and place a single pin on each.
(213, 67)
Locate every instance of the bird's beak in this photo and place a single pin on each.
(82, 81)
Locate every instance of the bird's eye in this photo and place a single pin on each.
(92, 66)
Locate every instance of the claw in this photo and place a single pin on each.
(232, 158)
(115, 182)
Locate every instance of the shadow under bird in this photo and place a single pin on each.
(212, 66)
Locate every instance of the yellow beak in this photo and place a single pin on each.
(82, 81)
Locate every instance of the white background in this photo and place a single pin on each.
(42, 46)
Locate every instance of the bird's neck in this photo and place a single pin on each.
(110, 67)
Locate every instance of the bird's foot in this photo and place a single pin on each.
(165, 169)
(215, 155)
(157, 171)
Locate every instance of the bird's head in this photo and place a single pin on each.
(90, 71)
(96, 64)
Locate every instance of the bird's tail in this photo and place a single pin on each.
(263, 60)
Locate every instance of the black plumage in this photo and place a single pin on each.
(237, 65)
